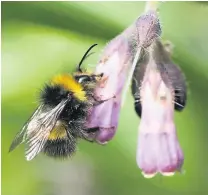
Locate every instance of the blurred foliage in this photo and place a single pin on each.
(40, 39)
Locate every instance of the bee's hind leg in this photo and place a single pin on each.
(90, 134)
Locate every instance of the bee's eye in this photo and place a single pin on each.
(84, 79)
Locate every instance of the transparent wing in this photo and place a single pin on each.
(19, 138)
(39, 129)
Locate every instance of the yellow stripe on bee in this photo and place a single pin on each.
(70, 84)
(59, 132)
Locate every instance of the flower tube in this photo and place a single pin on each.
(114, 64)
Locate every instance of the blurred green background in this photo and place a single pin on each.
(40, 39)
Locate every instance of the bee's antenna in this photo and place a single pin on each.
(84, 57)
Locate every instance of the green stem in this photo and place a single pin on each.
(152, 5)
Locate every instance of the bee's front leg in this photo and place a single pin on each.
(97, 102)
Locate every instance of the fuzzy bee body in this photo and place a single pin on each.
(58, 143)
(59, 121)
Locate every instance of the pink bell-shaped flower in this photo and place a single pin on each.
(114, 64)
(157, 80)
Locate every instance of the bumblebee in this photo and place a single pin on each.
(59, 121)
(173, 76)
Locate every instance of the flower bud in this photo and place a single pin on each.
(148, 29)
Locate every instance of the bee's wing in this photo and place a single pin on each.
(19, 138)
(36, 131)
(39, 129)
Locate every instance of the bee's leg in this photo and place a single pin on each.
(90, 134)
(92, 130)
(89, 139)
(98, 102)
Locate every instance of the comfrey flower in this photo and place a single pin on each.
(159, 87)
(116, 64)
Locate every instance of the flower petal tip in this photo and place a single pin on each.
(102, 143)
(148, 175)
(159, 152)
(105, 134)
(168, 174)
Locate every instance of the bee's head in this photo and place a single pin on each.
(88, 80)
(84, 78)
(65, 86)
